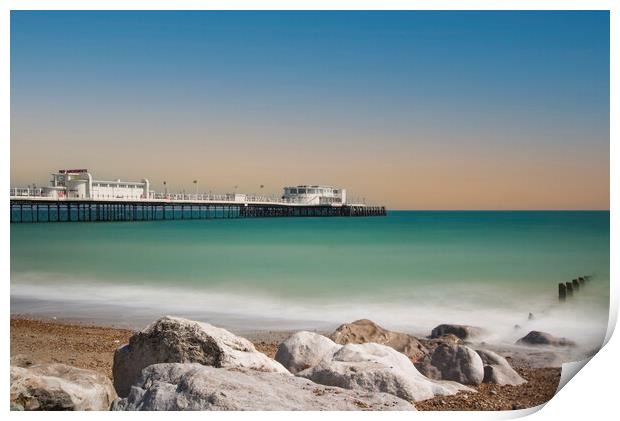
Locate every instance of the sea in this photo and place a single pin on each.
(409, 271)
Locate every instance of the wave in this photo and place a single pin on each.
(503, 317)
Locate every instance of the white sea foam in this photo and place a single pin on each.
(582, 319)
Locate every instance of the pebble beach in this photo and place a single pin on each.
(92, 347)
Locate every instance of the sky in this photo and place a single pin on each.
(412, 110)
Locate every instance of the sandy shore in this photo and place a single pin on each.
(92, 347)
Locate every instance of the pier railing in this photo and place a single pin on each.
(26, 192)
(226, 197)
(38, 193)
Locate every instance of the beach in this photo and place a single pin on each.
(84, 345)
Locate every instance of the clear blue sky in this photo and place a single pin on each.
(413, 109)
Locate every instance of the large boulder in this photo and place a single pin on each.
(458, 363)
(166, 387)
(304, 350)
(376, 368)
(463, 332)
(364, 331)
(497, 370)
(542, 338)
(176, 340)
(60, 387)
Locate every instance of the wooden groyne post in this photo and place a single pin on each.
(566, 289)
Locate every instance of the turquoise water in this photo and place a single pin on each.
(409, 269)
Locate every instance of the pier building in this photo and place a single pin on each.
(316, 195)
(79, 184)
(75, 196)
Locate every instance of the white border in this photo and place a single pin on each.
(591, 394)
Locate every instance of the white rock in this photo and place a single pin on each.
(60, 387)
(304, 350)
(377, 368)
(177, 340)
(197, 387)
(497, 370)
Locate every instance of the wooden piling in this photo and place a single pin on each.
(569, 289)
(33, 211)
(562, 291)
(582, 281)
(575, 285)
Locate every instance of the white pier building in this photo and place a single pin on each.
(79, 184)
(316, 195)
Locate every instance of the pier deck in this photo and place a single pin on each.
(33, 209)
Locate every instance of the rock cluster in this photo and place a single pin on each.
(176, 340)
(178, 364)
(373, 367)
(198, 387)
(370, 367)
(450, 358)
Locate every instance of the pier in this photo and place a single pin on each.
(74, 196)
(33, 210)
